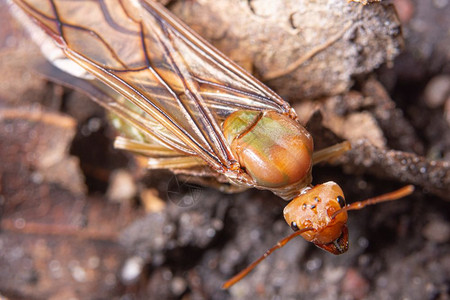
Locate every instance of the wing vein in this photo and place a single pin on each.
(136, 97)
(189, 92)
(215, 133)
(167, 86)
(61, 25)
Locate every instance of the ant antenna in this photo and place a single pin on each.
(247, 270)
(400, 193)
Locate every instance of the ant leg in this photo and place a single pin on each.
(331, 152)
(144, 148)
(158, 156)
(177, 162)
(212, 182)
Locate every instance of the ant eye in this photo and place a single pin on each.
(294, 226)
(341, 201)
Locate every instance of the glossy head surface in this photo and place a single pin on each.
(275, 150)
(314, 209)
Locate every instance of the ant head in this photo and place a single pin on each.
(319, 214)
(315, 208)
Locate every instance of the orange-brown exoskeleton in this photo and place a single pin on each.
(315, 209)
(184, 106)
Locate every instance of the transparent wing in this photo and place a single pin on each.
(160, 67)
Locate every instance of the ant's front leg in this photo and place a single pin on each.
(331, 152)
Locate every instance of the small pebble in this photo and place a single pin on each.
(405, 10)
(79, 274)
(313, 264)
(437, 231)
(132, 269)
(437, 91)
(355, 285)
(178, 286)
(122, 187)
(93, 262)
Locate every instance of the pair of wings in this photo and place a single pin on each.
(162, 77)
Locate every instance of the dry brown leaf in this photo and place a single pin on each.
(302, 49)
(43, 139)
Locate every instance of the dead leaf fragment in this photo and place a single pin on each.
(43, 139)
(302, 49)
